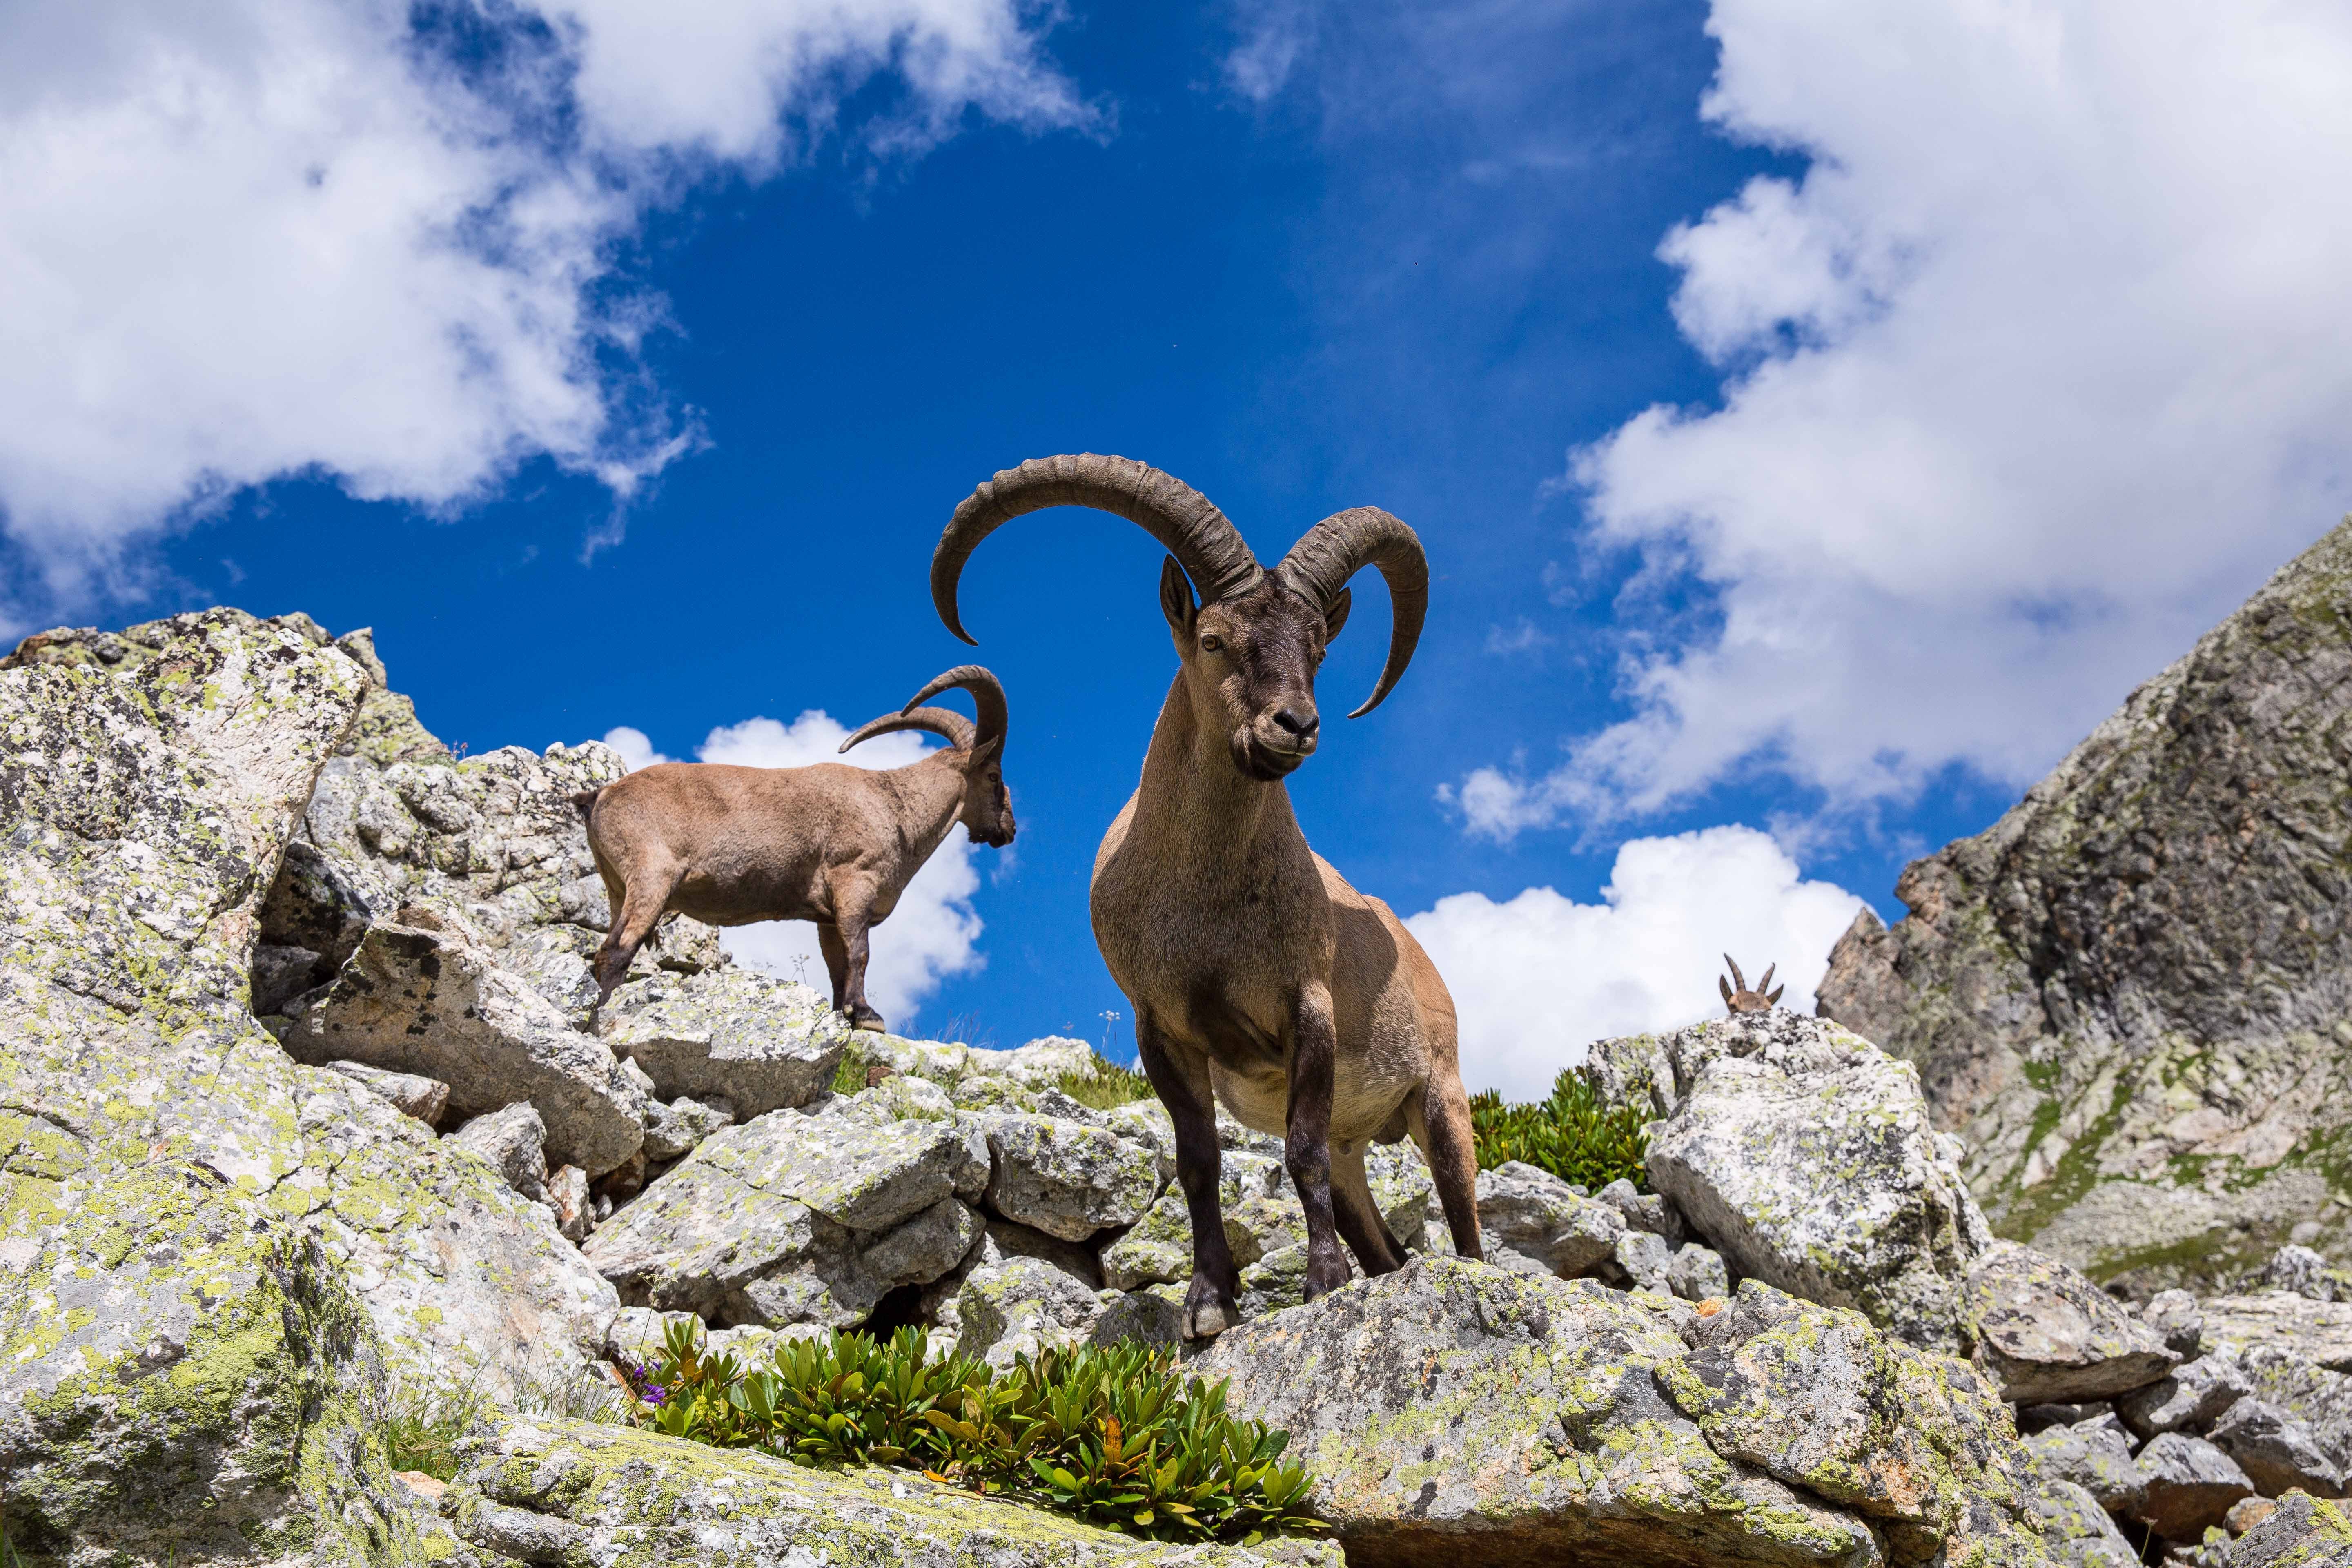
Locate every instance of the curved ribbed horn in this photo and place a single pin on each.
(945, 723)
(987, 697)
(1343, 544)
(1736, 978)
(1204, 542)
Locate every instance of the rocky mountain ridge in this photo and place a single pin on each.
(2131, 997)
(302, 1111)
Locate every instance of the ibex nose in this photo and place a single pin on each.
(1300, 721)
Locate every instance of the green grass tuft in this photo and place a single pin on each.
(1572, 1134)
(420, 1427)
(849, 1077)
(1107, 1085)
(1115, 1436)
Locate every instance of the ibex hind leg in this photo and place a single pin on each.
(1439, 1119)
(644, 894)
(1367, 1233)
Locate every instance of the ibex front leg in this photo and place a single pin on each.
(1181, 1079)
(851, 904)
(1306, 1145)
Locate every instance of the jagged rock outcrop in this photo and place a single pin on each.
(2132, 995)
(1804, 1156)
(1467, 1415)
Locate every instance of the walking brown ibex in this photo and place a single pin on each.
(831, 843)
(1258, 976)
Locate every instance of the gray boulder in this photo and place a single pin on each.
(676, 1129)
(2174, 1315)
(2096, 1455)
(2303, 1272)
(2190, 1486)
(1542, 1420)
(758, 1043)
(1806, 1156)
(2190, 1400)
(1020, 1306)
(411, 1094)
(1158, 1249)
(2302, 1531)
(2319, 1332)
(1068, 1178)
(1652, 1211)
(1644, 1258)
(1697, 1273)
(2278, 1453)
(514, 1142)
(1537, 1215)
(2046, 1334)
(434, 1001)
(627, 1497)
(2076, 1529)
(794, 1218)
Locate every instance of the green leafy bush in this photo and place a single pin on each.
(1572, 1134)
(1107, 1085)
(1113, 1436)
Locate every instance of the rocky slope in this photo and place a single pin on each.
(2132, 995)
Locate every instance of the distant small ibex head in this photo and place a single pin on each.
(987, 814)
(1739, 999)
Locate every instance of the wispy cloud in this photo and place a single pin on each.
(2043, 365)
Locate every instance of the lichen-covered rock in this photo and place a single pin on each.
(758, 1043)
(2319, 1332)
(435, 1001)
(2076, 1529)
(2306, 1273)
(2095, 1455)
(794, 1218)
(1458, 1413)
(678, 1129)
(1652, 1211)
(2175, 1317)
(141, 814)
(2300, 1532)
(514, 1142)
(1642, 1258)
(2320, 1399)
(2129, 994)
(1020, 1306)
(2190, 1486)
(1539, 1216)
(2047, 1335)
(1068, 1178)
(567, 1491)
(183, 1375)
(1805, 1156)
(2277, 1452)
(411, 1094)
(2191, 1399)
(1697, 1273)
(1158, 1249)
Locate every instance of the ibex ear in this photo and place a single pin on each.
(988, 750)
(1775, 997)
(1336, 616)
(1724, 987)
(1176, 597)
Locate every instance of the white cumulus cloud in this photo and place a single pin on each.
(2042, 366)
(1538, 978)
(381, 243)
(932, 934)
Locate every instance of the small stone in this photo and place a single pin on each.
(2190, 1400)
(2097, 1457)
(567, 1195)
(1697, 1273)
(2076, 1529)
(2191, 1484)
(2303, 1272)
(2299, 1532)
(513, 1140)
(2247, 1512)
(1652, 1211)
(422, 1484)
(674, 1130)
(1643, 1256)
(2277, 1452)
(2173, 1314)
(410, 1093)
(282, 974)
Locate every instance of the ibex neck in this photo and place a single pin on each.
(1191, 793)
(935, 786)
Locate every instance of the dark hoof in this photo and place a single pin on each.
(867, 1018)
(1322, 1278)
(1208, 1312)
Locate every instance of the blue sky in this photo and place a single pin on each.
(1815, 422)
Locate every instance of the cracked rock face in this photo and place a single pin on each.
(1804, 1155)
(758, 1043)
(2132, 995)
(1463, 1414)
(149, 781)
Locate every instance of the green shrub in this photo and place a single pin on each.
(1115, 1436)
(1572, 1134)
(1107, 1085)
(421, 1430)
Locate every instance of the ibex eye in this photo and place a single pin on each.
(1212, 644)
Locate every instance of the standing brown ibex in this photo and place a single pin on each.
(831, 843)
(1258, 976)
